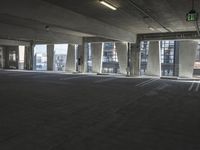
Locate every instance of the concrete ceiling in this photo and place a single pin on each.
(165, 13)
(70, 20)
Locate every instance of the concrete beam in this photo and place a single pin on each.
(51, 15)
(98, 40)
(168, 36)
(6, 42)
(16, 32)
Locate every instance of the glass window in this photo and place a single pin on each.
(167, 57)
(110, 59)
(60, 56)
(144, 47)
(40, 56)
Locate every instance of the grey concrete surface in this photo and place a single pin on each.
(97, 57)
(50, 57)
(30, 21)
(154, 64)
(135, 57)
(71, 58)
(46, 111)
(187, 53)
(122, 54)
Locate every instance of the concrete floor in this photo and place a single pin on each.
(40, 111)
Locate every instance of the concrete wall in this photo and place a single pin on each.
(153, 62)
(187, 51)
(71, 59)
(97, 56)
(50, 57)
(122, 54)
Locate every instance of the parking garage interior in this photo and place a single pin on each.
(99, 74)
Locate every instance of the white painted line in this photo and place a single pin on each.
(149, 82)
(191, 86)
(64, 79)
(144, 82)
(197, 88)
(105, 80)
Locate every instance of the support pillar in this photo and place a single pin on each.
(50, 57)
(122, 54)
(187, 51)
(154, 61)
(1, 58)
(135, 59)
(71, 59)
(28, 57)
(97, 57)
(82, 58)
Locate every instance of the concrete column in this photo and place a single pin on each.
(71, 59)
(122, 54)
(1, 58)
(5, 58)
(135, 56)
(154, 61)
(82, 58)
(50, 57)
(28, 57)
(97, 57)
(187, 51)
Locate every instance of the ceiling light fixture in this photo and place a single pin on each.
(151, 28)
(107, 5)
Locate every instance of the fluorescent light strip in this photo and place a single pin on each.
(108, 5)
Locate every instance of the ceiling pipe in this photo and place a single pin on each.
(146, 14)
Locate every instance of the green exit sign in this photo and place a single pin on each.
(192, 16)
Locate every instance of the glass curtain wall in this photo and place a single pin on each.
(60, 56)
(40, 57)
(144, 47)
(110, 59)
(167, 57)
